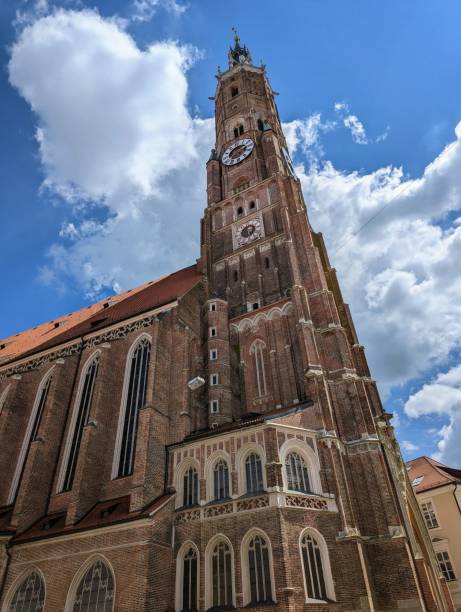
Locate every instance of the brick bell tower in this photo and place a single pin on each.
(279, 335)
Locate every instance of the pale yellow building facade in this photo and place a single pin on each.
(438, 491)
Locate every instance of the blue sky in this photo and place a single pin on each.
(100, 164)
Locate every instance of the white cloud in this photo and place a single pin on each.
(114, 129)
(304, 135)
(442, 397)
(408, 446)
(144, 10)
(383, 136)
(352, 123)
(400, 273)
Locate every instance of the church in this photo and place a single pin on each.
(211, 440)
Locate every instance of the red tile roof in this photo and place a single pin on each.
(102, 314)
(432, 473)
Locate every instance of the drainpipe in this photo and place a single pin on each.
(456, 499)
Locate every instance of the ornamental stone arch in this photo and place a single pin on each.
(178, 479)
(123, 401)
(31, 424)
(210, 464)
(245, 569)
(210, 548)
(18, 582)
(325, 559)
(74, 415)
(259, 365)
(240, 458)
(93, 560)
(182, 552)
(310, 457)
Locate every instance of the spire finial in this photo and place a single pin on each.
(238, 54)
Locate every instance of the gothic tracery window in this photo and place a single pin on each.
(254, 473)
(31, 433)
(258, 348)
(221, 575)
(95, 592)
(221, 480)
(297, 473)
(29, 596)
(135, 400)
(190, 490)
(259, 571)
(41, 407)
(84, 405)
(313, 568)
(189, 582)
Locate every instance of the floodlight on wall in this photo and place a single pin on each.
(196, 383)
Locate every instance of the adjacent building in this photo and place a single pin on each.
(438, 490)
(212, 440)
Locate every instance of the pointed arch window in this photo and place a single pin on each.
(135, 399)
(41, 408)
(84, 400)
(190, 490)
(3, 397)
(259, 571)
(297, 473)
(221, 575)
(189, 582)
(95, 592)
(313, 568)
(31, 432)
(29, 596)
(258, 349)
(221, 480)
(254, 473)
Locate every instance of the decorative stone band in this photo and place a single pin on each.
(258, 502)
(250, 322)
(73, 348)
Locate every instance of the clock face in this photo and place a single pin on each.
(237, 152)
(247, 232)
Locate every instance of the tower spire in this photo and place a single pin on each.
(238, 54)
